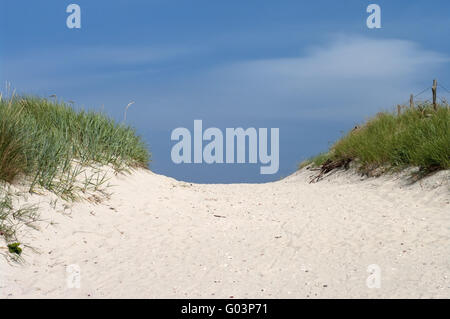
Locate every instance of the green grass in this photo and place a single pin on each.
(418, 137)
(51, 143)
(11, 219)
(51, 146)
(317, 160)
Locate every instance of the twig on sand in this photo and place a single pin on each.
(330, 165)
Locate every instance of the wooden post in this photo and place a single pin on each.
(398, 109)
(433, 89)
(411, 101)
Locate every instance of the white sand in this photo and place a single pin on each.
(160, 238)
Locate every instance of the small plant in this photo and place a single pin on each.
(14, 248)
(11, 218)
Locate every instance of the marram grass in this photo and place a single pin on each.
(50, 143)
(418, 137)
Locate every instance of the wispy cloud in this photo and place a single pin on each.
(65, 66)
(350, 58)
(351, 76)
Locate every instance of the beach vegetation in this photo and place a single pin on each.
(418, 137)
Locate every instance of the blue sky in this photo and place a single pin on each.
(311, 68)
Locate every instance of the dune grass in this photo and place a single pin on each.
(43, 140)
(418, 137)
(52, 146)
(11, 218)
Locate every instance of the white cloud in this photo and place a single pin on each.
(348, 77)
(351, 58)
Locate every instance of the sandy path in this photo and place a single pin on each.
(157, 237)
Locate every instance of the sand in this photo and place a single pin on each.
(156, 237)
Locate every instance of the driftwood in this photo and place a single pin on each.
(330, 165)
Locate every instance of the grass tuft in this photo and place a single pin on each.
(417, 138)
(11, 219)
(51, 142)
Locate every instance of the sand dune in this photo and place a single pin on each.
(156, 237)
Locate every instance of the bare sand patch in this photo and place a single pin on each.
(156, 237)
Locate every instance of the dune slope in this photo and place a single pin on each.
(157, 237)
